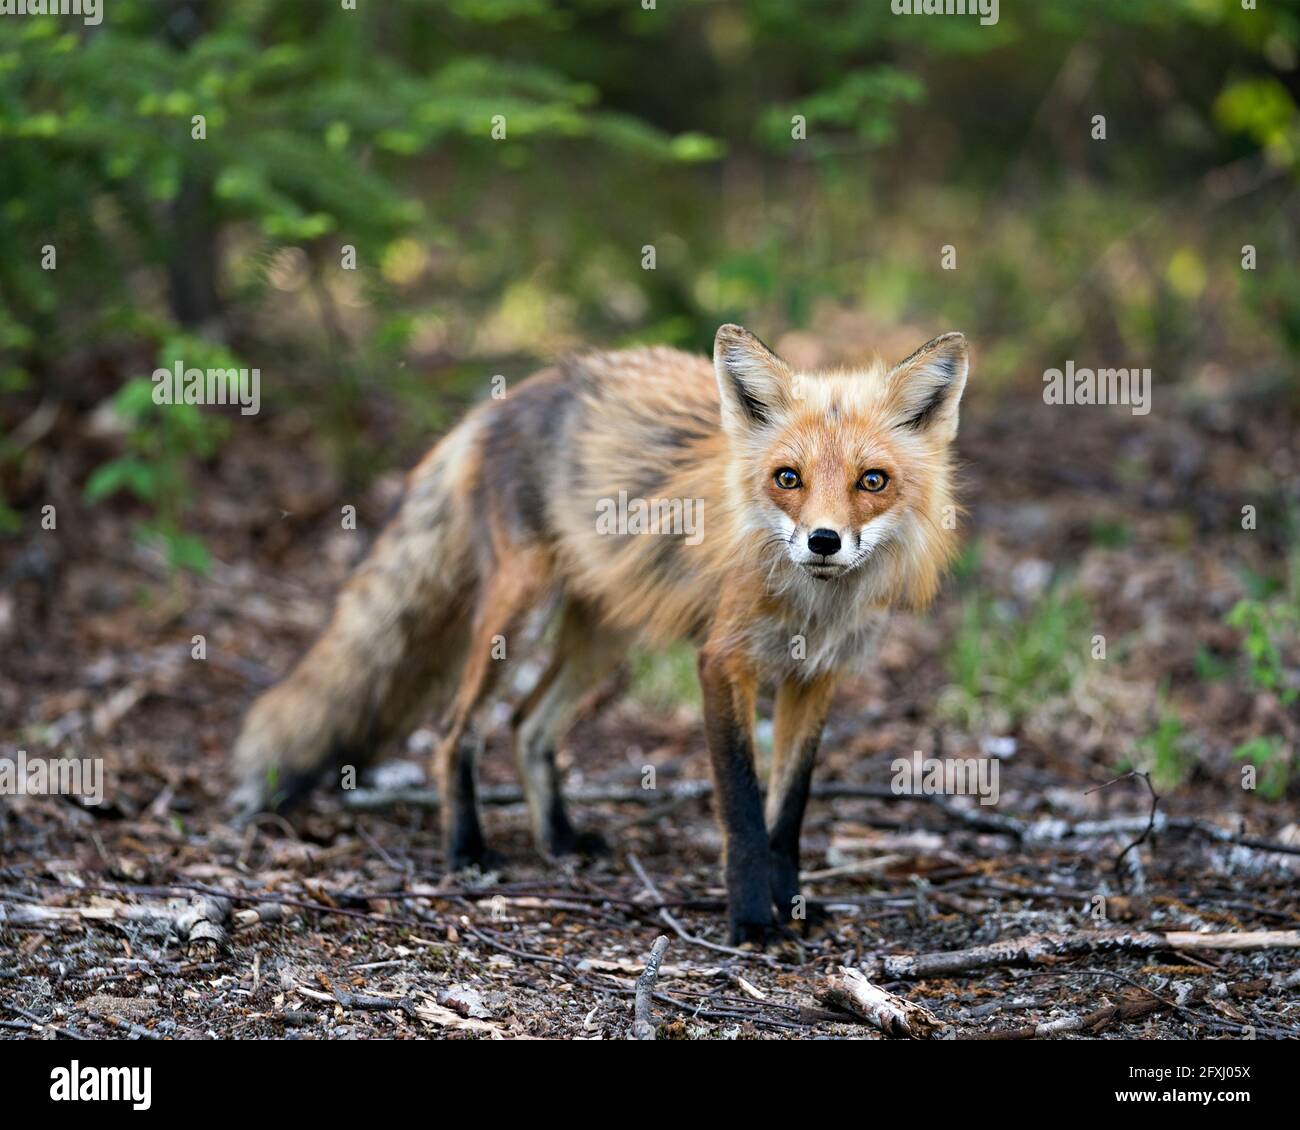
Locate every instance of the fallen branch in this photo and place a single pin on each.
(133, 1030)
(372, 800)
(431, 1012)
(642, 1025)
(203, 925)
(1128, 1010)
(1067, 1025)
(1222, 836)
(364, 1003)
(262, 899)
(200, 923)
(850, 990)
(354, 1001)
(67, 1033)
(1241, 940)
(1036, 949)
(37, 915)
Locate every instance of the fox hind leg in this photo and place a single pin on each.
(585, 652)
(515, 586)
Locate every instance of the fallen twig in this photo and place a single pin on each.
(133, 1030)
(850, 990)
(1066, 1025)
(1223, 836)
(203, 925)
(1033, 949)
(1241, 940)
(259, 898)
(364, 1003)
(642, 1025)
(67, 1033)
(679, 929)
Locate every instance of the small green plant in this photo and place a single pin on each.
(1210, 668)
(967, 564)
(1269, 622)
(666, 680)
(1012, 660)
(1110, 534)
(1264, 624)
(1164, 749)
(164, 441)
(272, 778)
(1272, 759)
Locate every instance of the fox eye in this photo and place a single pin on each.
(873, 481)
(787, 478)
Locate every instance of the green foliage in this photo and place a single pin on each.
(1011, 660)
(165, 442)
(1264, 110)
(1210, 668)
(665, 680)
(1110, 535)
(967, 564)
(1272, 759)
(864, 102)
(312, 115)
(1164, 749)
(1269, 623)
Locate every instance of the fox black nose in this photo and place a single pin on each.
(825, 542)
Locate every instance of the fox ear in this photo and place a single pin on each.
(924, 390)
(753, 381)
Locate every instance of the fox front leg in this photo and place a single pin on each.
(729, 689)
(801, 709)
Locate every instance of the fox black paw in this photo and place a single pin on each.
(589, 845)
(278, 792)
(758, 935)
(483, 860)
(803, 917)
(467, 849)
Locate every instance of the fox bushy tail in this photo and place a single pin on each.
(393, 645)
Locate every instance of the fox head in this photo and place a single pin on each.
(845, 476)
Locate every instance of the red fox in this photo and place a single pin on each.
(817, 501)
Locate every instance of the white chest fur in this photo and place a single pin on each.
(833, 631)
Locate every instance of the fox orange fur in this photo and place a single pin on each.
(820, 500)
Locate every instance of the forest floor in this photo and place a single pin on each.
(1089, 522)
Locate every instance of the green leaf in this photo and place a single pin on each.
(128, 474)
